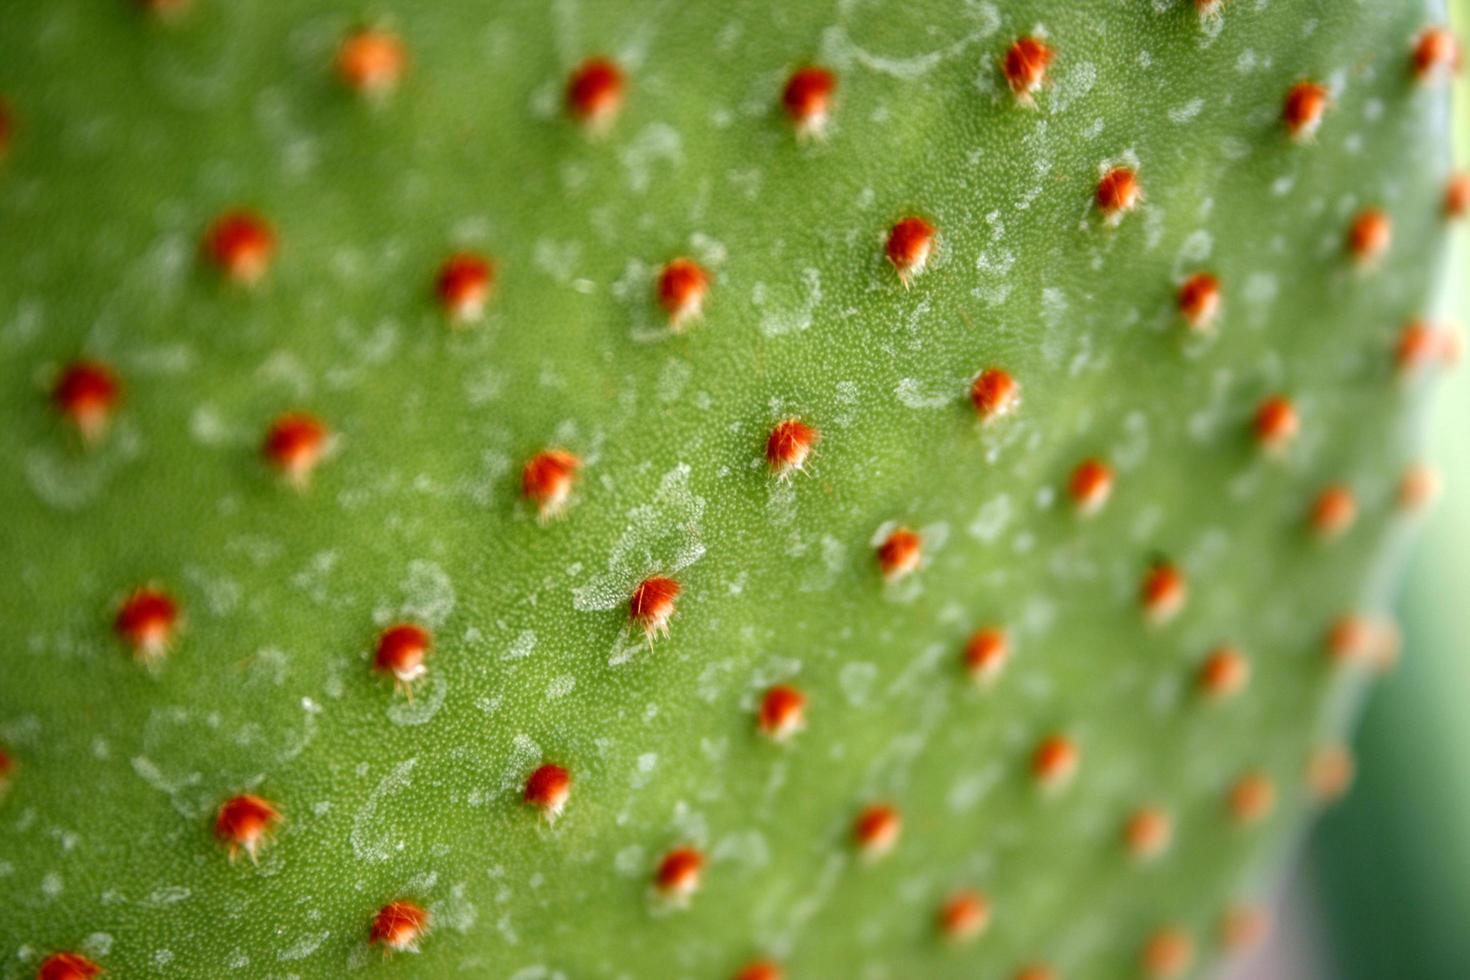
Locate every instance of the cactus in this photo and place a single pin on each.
(704, 490)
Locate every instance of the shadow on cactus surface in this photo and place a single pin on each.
(651, 489)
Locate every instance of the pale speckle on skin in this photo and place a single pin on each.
(484, 386)
(168, 895)
(991, 519)
(1074, 83)
(97, 944)
(655, 143)
(856, 680)
(1195, 249)
(819, 577)
(1184, 113)
(210, 428)
(371, 840)
(839, 49)
(643, 771)
(303, 946)
(150, 773)
(1234, 148)
(456, 912)
(64, 481)
(780, 500)
(559, 260)
(912, 393)
(1260, 291)
(631, 861)
(525, 756)
(746, 847)
(969, 789)
(428, 698)
(428, 595)
(673, 379)
(793, 318)
(662, 536)
(522, 647)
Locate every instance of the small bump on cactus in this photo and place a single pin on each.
(147, 621)
(1305, 106)
(548, 790)
(400, 926)
(86, 394)
(1118, 194)
(1025, 66)
(68, 966)
(547, 481)
(246, 823)
(242, 245)
(464, 284)
(1148, 833)
(1169, 954)
(371, 62)
(876, 830)
(682, 286)
(595, 93)
(401, 654)
(1200, 301)
(652, 605)
(807, 100)
(1090, 487)
(1224, 673)
(964, 917)
(295, 445)
(986, 654)
(995, 394)
(910, 243)
(789, 447)
(679, 875)
(782, 713)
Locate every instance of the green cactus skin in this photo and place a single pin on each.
(132, 131)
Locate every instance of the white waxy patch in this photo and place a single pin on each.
(673, 379)
(303, 947)
(655, 144)
(1181, 114)
(663, 536)
(643, 771)
(427, 700)
(822, 575)
(794, 317)
(67, 481)
(525, 755)
(913, 393)
(428, 594)
(856, 680)
(969, 789)
(371, 839)
(838, 47)
(522, 647)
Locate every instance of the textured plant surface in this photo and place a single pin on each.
(1083, 781)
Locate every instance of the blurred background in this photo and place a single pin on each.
(1382, 889)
